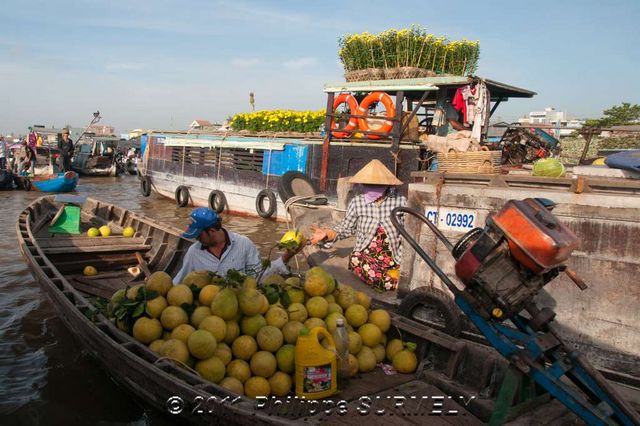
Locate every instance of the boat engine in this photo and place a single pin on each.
(506, 263)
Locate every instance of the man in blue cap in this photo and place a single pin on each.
(219, 250)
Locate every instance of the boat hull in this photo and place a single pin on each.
(60, 183)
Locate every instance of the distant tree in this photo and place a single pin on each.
(617, 115)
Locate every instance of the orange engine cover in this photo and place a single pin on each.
(536, 238)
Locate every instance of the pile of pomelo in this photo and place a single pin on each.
(236, 338)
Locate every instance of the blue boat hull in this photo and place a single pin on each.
(57, 184)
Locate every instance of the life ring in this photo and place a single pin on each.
(294, 183)
(345, 98)
(438, 309)
(268, 212)
(182, 196)
(217, 201)
(390, 113)
(145, 186)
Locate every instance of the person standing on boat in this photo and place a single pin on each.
(66, 150)
(377, 253)
(28, 159)
(32, 138)
(3, 153)
(219, 250)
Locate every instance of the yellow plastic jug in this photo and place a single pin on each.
(315, 366)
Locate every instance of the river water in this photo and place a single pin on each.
(45, 376)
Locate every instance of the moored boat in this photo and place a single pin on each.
(61, 182)
(466, 372)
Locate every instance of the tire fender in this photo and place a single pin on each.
(145, 186)
(217, 201)
(268, 212)
(182, 196)
(433, 298)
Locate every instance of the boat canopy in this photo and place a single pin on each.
(497, 89)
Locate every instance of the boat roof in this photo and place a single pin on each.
(497, 89)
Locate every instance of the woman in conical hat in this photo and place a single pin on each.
(377, 253)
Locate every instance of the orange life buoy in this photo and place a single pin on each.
(345, 98)
(390, 113)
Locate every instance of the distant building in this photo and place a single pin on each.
(199, 124)
(556, 120)
(102, 129)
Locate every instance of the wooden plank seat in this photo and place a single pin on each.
(84, 241)
(96, 249)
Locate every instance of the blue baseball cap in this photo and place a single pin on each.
(201, 219)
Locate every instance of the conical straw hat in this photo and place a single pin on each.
(375, 173)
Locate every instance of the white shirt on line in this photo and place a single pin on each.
(241, 254)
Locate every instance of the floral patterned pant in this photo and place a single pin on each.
(375, 265)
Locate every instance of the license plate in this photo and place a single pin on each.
(450, 219)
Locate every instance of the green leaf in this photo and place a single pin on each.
(139, 310)
(189, 308)
(285, 299)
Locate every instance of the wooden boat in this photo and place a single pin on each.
(61, 182)
(463, 376)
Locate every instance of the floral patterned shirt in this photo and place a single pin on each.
(363, 219)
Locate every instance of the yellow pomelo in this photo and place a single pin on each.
(182, 332)
(296, 295)
(371, 334)
(93, 232)
(356, 315)
(334, 307)
(297, 312)
(172, 317)
(128, 232)
(118, 296)
(105, 231)
(233, 331)
(122, 326)
(405, 361)
(257, 386)
(286, 358)
(381, 318)
(353, 365)
(315, 322)
(233, 385)
(156, 306)
(244, 347)
(132, 293)
(366, 359)
(363, 299)
(346, 296)
(214, 325)
(263, 364)
(265, 304)
(292, 281)
(225, 304)
(355, 342)
(274, 279)
(175, 349)
(393, 347)
(89, 271)
(379, 352)
(198, 278)
(202, 344)
(211, 369)
(251, 325)
(156, 345)
(239, 369)
(315, 285)
(223, 351)
(250, 301)
(331, 321)
(269, 338)
(317, 307)
(159, 282)
(276, 316)
(199, 313)
(280, 384)
(146, 330)
(180, 295)
(207, 294)
(291, 330)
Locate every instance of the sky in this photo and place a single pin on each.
(161, 64)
